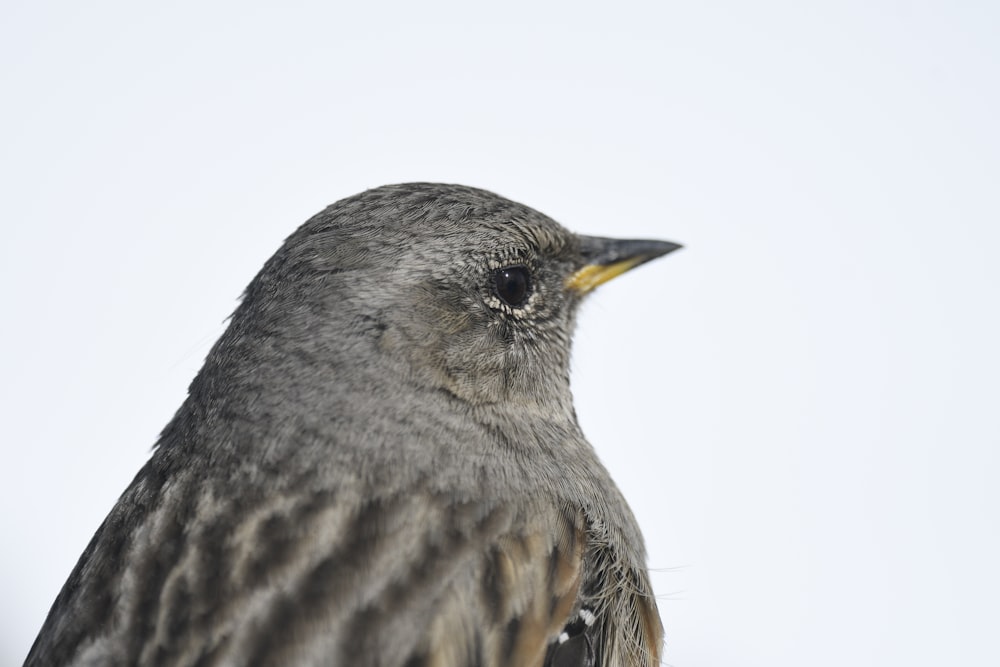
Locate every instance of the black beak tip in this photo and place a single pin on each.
(664, 247)
(604, 251)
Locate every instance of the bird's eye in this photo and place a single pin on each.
(512, 283)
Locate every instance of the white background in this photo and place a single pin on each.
(802, 405)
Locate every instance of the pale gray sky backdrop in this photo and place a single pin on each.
(802, 405)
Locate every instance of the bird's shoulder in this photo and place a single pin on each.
(186, 570)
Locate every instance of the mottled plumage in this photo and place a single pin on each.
(379, 464)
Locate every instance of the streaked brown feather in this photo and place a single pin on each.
(530, 581)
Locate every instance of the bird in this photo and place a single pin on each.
(380, 464)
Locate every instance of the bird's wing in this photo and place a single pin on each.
(182, 575)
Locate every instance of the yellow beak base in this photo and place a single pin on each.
(592, 275)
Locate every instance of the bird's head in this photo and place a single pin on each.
(447, 287)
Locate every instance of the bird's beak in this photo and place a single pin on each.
(609, 258)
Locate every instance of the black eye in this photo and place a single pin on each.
(512, 284)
